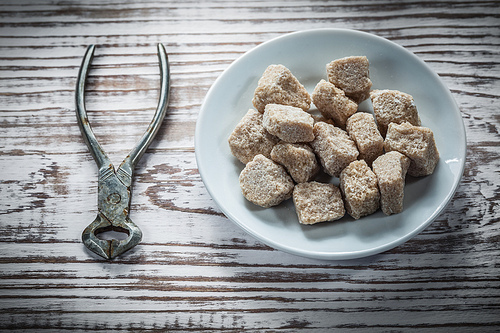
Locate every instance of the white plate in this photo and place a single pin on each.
(306, 54)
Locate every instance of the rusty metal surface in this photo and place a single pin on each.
(114, 186)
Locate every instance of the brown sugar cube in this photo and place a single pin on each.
(393, 106)
(351, 74)
(359, 186)
(333, 103)
(288, 123)
(318, 202)
(249, 138)
(363, 130)
(278, 85)
(298, 159)
(391, 169)
(415, 142)
(265, 183)
(334, 148)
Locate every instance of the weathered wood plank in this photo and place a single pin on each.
(195, 270)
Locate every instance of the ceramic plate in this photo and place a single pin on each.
(306, 54)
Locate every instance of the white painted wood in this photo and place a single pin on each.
(195, 270)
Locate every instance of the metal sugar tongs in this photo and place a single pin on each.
(114, 186)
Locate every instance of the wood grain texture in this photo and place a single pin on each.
(195, 270)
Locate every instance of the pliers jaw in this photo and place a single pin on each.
(114, 197)
(109, 249)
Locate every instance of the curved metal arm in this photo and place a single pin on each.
(136, 153)
(95, 148)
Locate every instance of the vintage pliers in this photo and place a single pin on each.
(114, 186)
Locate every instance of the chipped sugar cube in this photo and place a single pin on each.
(363, 131)
(393, 106)
(249, 138)
(334, 148)
(318, 202)
(288, 123)
(359, 186)
(390, 170)
(298, 159)
(279, 86)
(333, 103)
(265, 183)
(415, 142)
(351, 74)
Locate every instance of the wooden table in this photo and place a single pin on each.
(195, 270)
